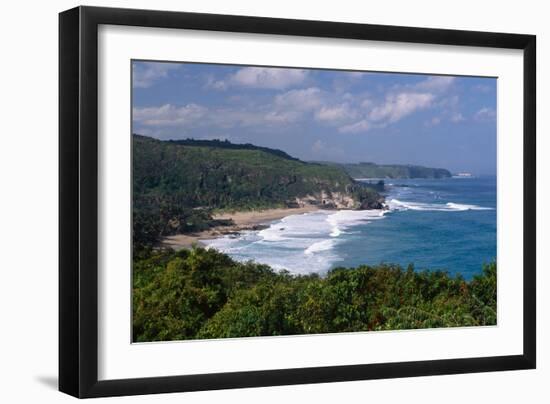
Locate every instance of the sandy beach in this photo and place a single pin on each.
(243, 220)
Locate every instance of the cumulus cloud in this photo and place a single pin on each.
(213, 84)
(397, 106)
(266, 78)
(435, 83)
(336, 113)
(293, 105)
(358, 127)
(404, 100)
(283, 117)
(457, 117)
(325, 107)
(193, 115)
(145, 74)
(485, 114)
(482, 88)
(367, 103)
(349, 113)
(305, 99)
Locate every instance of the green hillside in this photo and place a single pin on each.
(371, 170)
(176, 184)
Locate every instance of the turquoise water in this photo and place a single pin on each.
(447, 224)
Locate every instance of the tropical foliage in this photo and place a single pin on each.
(198, 293)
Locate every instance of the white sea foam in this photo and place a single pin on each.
(459, 206)
(295, 227)
(396, 204)
(229, 243)
(323, 245)
(299, 243)
(272, 233)
(344, 219)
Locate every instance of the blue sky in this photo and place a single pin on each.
(323, 115)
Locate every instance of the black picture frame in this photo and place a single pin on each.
(78, 201)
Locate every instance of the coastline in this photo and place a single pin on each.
(243, 220)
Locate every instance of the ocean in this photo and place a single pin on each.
(447, 224)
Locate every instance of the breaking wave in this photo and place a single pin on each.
(396, 204)
(302, 243)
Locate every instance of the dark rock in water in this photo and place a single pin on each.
(370, 204)
(258, 227)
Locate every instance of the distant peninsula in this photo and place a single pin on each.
(372, 170)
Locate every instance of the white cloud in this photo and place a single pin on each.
(397, 106)
(367, 103)
(457, 117)
(451, 102)
(400, 102)
(325, 107)
(283, 117)
(482, 88)
(485, 114)
(193, 115)
(268, 78)
(169, 115)
(435, 83)
(212, 83)
(351, 114)
(358, 127)
(146, 73)
(293, 105)
(336, 113)
(306, 99)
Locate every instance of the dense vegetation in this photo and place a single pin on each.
(177, 184)
(226, 144)
(201, 293)
(371, 170)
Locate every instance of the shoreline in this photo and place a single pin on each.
(243, 220)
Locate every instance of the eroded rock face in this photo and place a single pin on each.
(327, 200)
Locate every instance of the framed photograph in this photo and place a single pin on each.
(251, 201)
